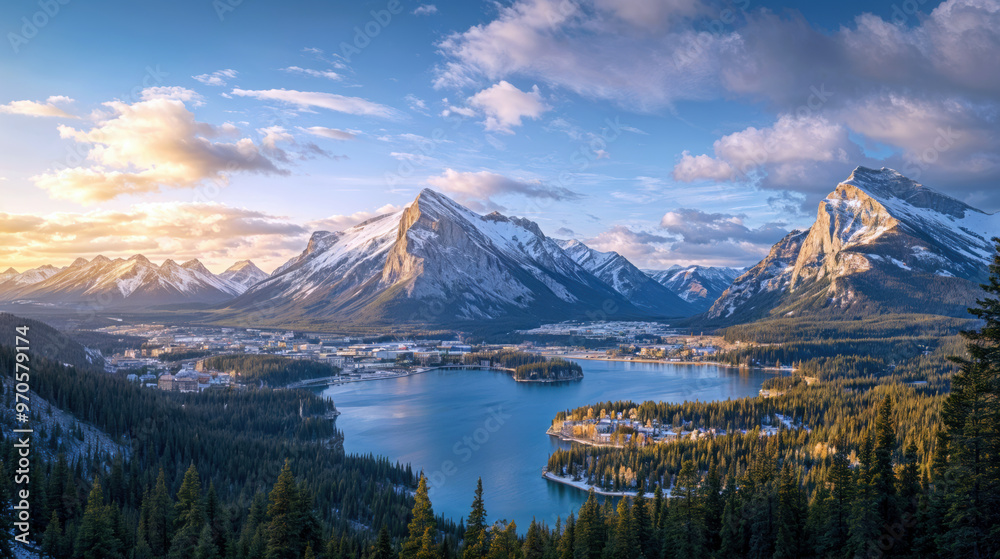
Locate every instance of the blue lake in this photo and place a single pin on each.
(459, 425)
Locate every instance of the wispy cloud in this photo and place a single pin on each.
(317, 99)
(50, 107)
(328, 74)
(218, 78)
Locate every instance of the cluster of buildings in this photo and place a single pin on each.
(620, 430)
(622, 331)
(190, 345)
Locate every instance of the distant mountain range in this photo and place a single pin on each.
(132, 283)
(438, 263)
(881, 243)
(640, 288)
(698, 285)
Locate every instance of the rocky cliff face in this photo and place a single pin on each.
(880, 242)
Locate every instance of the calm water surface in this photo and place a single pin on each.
(459, 425)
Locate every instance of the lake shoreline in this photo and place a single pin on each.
(586, 487)
(662, 362)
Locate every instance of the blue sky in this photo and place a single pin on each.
(688, 131)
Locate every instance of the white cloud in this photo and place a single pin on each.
(330, 133)
(477, 189)
(425, 10)
(505, 106)
(723, 247)
(214, 233)
(217, 78)
(328, 74)
(330, 101)
(793, 153)
(341, 222)
(634, 52)
(701, 167)
(147, 145)
(50, 107)
(174, 93)
(416, 103)
(699, 227)
(273, 135)
(417, 158)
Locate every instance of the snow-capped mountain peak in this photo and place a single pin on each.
(625, 278)
(132, 282)
(698, 285)
(880, 240)
(434, 261)
(244, 273)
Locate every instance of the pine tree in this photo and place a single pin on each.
(428, 546)
(422, 525)
(189, 516)
(791, 517)
(52, 541)
(476, 543)
(217, 519)
(840, 484)
(733, 542)
(383, 545)
(534, 544)
(883, 475)
(971, 416)
(909, 493)
(96, 538)
(714, 507)
(818, 515)
(206, 546)
(567, 540)
(687, 536)
(503, 542)
(625, 543)
(57, 487)
(589, 533)
(188, 509)
(864, 522)
(281, 531)
(159, 517)
(644, 534)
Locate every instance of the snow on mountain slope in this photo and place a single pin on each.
(244, 274)
(434, 262)
(129, 282)
(698, 285)
(638, 287)
(880, 241)
(754, 292)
